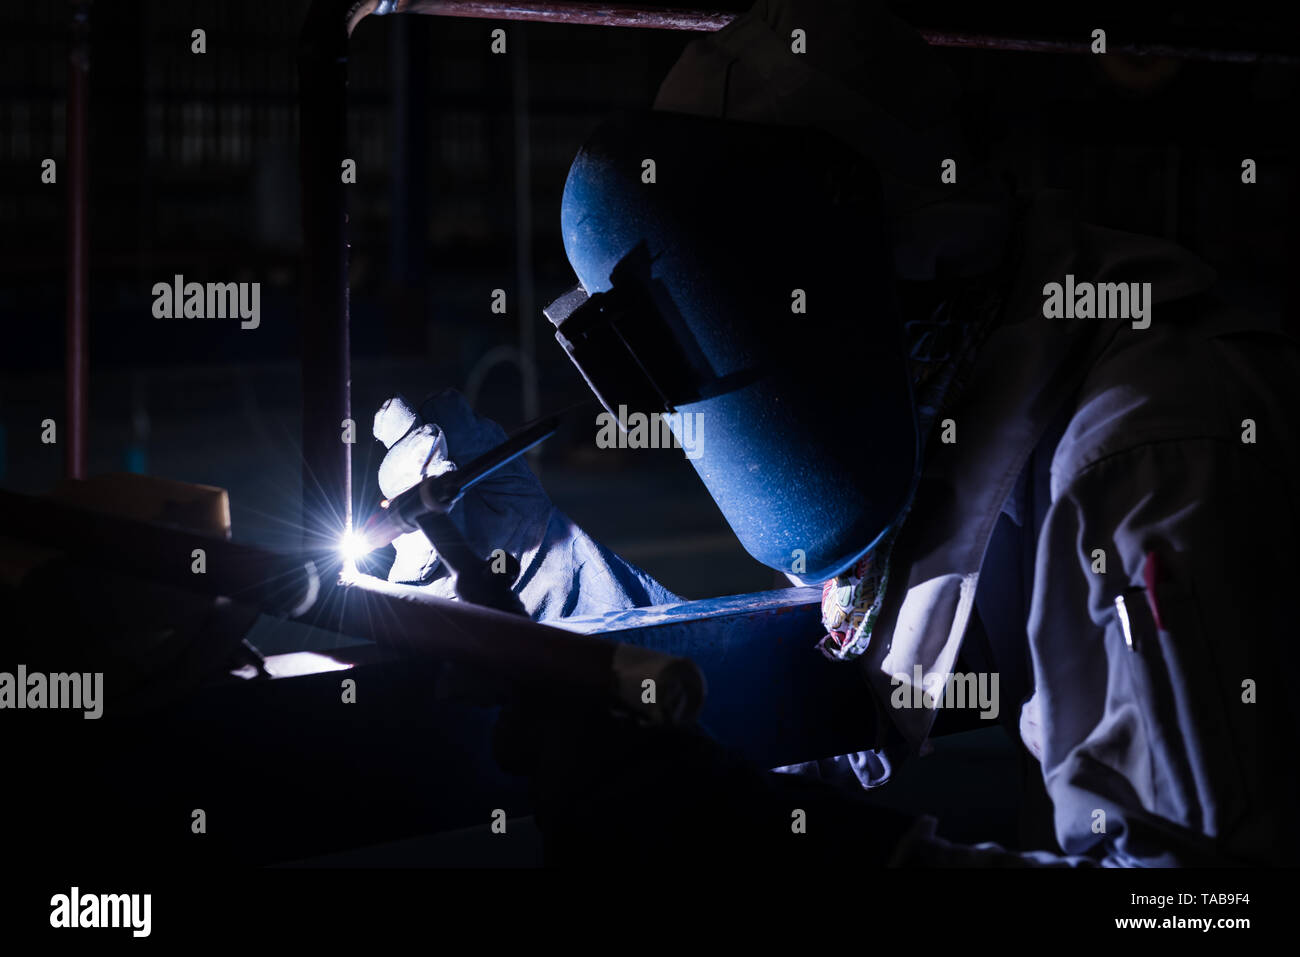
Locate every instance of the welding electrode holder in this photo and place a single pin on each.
(476, 582)
(437, 494)
(426, 506)
(402, 515)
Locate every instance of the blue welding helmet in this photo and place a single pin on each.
(739, 274)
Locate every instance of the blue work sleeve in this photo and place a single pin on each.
(563, 571)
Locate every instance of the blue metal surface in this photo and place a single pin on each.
(771, 694)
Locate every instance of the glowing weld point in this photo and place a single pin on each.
(352, 546)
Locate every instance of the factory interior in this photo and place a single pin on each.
(132, 439)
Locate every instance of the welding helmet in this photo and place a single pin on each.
(739, 274)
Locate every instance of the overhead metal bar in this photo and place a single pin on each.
(631, 15)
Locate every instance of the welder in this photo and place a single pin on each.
(1100, 511)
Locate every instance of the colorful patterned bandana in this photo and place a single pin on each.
(941, 350)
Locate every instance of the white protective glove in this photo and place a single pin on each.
(563, 571)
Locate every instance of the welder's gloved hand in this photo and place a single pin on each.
(562, 571)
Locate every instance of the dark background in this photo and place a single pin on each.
(461, 155)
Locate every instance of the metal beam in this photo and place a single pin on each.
(76, 359)
(562, 11)
(631, 15)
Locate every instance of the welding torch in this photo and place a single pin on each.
(436, 495)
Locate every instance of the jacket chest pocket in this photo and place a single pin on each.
(1179, 686)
